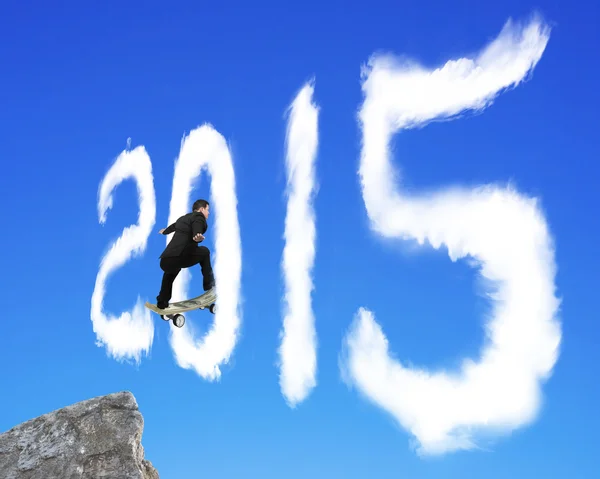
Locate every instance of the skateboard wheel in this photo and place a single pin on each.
(213, 308)
(178, 320)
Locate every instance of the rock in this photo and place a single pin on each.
(96, 438)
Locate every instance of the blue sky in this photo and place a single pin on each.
(79, 81)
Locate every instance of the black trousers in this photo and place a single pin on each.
(172, 265)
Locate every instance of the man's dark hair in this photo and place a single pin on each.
(200, 204)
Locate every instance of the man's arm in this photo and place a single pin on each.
(198, 228)
(168, 230)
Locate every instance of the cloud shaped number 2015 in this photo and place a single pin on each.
(503, 231)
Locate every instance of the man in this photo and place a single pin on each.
(183, 251)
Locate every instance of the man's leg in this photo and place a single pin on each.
(171, 270)
(208, 277)
(201, 256)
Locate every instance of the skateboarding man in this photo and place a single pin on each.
(183, 251)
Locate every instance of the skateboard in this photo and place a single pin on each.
(172, 312)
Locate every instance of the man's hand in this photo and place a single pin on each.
(198, 237)
(161, 231)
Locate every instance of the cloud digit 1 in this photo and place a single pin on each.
(503, 231)
(297, 352)
(205, 148)
(133, 332)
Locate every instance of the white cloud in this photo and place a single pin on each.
(132, 333)
(503, 231)
(205, 148)
(298, 361)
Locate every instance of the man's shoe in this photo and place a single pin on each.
(162, 304)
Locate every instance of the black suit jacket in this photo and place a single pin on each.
(185, 228)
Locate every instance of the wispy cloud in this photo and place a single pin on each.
(132, 333)
(298, 361)
(205, 148)
(504, 232)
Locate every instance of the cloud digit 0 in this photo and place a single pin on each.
(502, 230)
(133, 332)
(205, 148)
(298, 361)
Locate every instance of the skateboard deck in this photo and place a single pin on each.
(207, 299)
